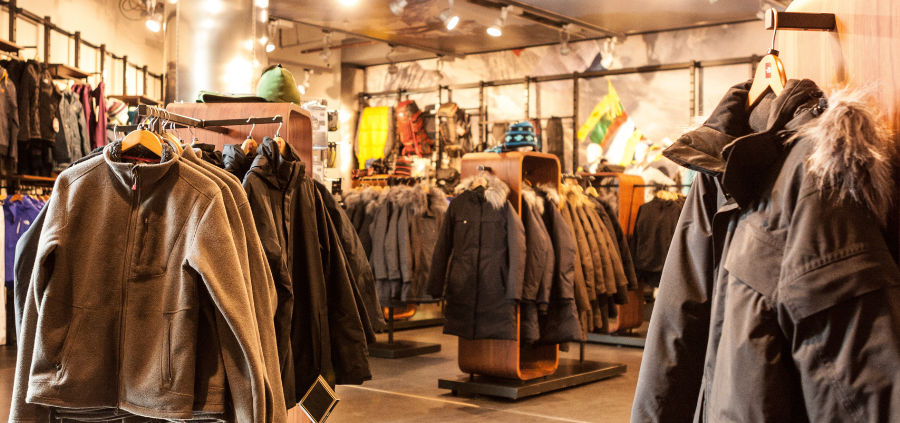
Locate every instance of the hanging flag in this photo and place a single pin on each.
(611, 128)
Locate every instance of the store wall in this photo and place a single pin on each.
(100, 22)
(658, 102)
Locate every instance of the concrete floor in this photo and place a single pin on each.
(405, 390)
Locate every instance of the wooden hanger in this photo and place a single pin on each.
(278, 140)
(145, 138)
(249, 143)
(770, 72)
(172, 139)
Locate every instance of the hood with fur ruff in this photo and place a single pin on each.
(377, 200)
(495, 192)
(549, 192)
(852, 153)
(425, 198)
(531, 197)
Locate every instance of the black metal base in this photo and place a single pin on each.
(570, 373)
(402, 349)
(418, 323)
(636, 341)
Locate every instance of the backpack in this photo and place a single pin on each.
(411, 130)
(454, 129)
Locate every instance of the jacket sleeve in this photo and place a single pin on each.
(440, 260)
(672, 368)
(26, 253)
(213, 256)
(515, 233)
(403, 247)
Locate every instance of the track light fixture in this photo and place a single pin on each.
(302, 87)
(393, 69)
(438, 75)
(496, 29)
(397, 6)
(154, 18)
(564, 41)
(325, 55)
(450, 20)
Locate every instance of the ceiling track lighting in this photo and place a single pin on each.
(154, 18)
(496, 29)
(450, 20)
(325, 55)
(271, 31)
(393, 69)
(397, 6)
(564, 49)
(438, 75)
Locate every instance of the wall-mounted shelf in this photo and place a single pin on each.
(136, 100)
(9, 46)
(61, 71)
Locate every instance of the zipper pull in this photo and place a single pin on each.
(134, 187)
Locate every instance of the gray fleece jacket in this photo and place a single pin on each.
(112, 314)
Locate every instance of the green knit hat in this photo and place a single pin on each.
(278, 85)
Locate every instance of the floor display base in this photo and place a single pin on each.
(570, 373)
(402, 349)
(418, 323)
(635, 341)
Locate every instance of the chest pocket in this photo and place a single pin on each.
(153, 241)
(755, 256)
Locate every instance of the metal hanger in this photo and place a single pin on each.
(249, 143)
(278, 140)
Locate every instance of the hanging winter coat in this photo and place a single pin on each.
(612, 224)
(779, 300)
(386, 249)
(417, 232)
(358, 264)
(235, 161)
(582, 299)
(559, 321)
(539, 265)
(478, 264)
(380, 210)
(654, 229)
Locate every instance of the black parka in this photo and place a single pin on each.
(479, 261)
(539, 265)
(779, 300)
(417, 232)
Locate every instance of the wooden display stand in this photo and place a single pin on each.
(506, 368)
(631, 315)
(297, 128)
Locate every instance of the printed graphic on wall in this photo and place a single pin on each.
(610, 128)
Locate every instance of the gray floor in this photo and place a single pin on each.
(405, 390)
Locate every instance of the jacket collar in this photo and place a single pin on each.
(495, 191)
(149, 173)
(728, 147)
(274, 167)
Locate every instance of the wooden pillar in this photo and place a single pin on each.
(144, 71)
(78, 49)
(125, 75)
(13, 17)
(48, 29)
(102, 62)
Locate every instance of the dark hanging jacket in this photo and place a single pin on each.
(418, 228)
(582, 299)
(48, 105)
(779, 301)
(357, 262)
(612, 223)
(479, 261)
(24, 75)
(72, 140)
(559, 322)
(539, 265)
(654, 229)
(235, 161)
(9, 116)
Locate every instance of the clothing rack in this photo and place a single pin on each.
(16, 13)
(188, 122)
(402, 349)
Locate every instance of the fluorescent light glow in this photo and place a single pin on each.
(453, 22)
(214, 6)
(263, 40)
(302, 89)
(348, 2)
(261, 3)
(494, 31)
(249, 44)
(153, 25)
(270, 48)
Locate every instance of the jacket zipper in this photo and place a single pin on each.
(125, 272)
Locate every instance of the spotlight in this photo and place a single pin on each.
(393, 69)
(154, 22)
(496, 29)
(449, 19)
(302, 89)
(270, 48)
(325, 55)
(397, 6)
(564, 41)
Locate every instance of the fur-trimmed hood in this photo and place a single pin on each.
(423, 199)
(851, 155)
(549, 192)
(530, 196)
(361, 197)
(495, 192)
(377, 200)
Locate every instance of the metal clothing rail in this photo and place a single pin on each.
(217, 125)
(693, 66)
(16, 13)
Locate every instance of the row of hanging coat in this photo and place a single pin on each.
(604, 270)
(398, 227)
(201, 296)
(488, 259)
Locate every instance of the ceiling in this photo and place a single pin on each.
(420, 28)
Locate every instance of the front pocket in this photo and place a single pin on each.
(166, 356)
(57, 331)
(178, 351)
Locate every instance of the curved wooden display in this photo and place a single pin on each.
(296, 130)
(631, 198)
(509, 358)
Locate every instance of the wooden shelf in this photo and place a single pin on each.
(9, 46)
(61, 71)
(135, 100)
(28, 178)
